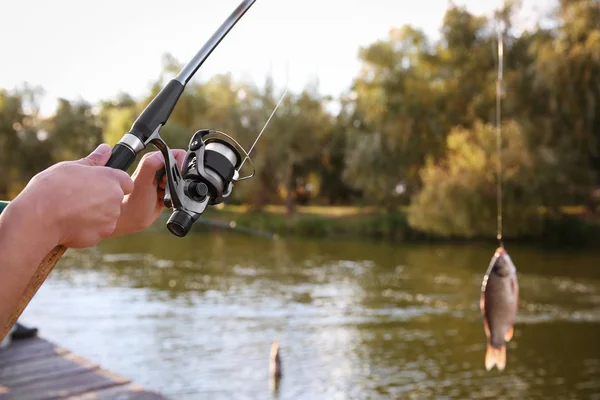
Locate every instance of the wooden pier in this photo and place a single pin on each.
(36, 369)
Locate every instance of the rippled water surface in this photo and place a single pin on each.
(195, 318)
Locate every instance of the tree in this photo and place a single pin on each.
(567, 72)
(287, 153)
(331, 165)
(396, 118)
(74, 130)
(459, 191)
(23, 149)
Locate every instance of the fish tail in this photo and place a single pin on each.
(495, 356)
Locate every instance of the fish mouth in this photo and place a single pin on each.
(500, 251)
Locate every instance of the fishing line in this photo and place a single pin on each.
(264, 127)
(499, 133)
(287, 80)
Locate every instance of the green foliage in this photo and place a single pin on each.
(567, 72)
(74, 130)
(387, 226)
(459, 195)
(22, 149)
(459, 192)
(118, 121)
(334, 145)
(395, 126)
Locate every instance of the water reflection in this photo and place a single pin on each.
(195, 318)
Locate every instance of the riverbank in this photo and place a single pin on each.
(570, 230)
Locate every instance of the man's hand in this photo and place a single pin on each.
(72, 204)
(145, 203)
(77, 203)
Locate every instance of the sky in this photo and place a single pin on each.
(96, 49)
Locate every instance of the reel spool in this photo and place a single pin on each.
(211, 167)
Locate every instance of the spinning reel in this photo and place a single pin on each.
(214, 159)
(210, 168)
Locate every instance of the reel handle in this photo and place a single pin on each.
(180, 223)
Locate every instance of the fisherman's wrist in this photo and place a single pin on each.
(34, 217)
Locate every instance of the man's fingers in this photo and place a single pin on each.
(154, 164)
(98, 157)
(124, 180)
(149, 165)
(179, 156)
(161, 176)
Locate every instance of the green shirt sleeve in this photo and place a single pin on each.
(3, 205)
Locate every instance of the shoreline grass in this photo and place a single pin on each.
(571, 230)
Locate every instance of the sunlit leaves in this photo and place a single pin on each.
(459, 191)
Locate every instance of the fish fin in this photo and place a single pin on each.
(482, 308)
(509, 334)
(495, 357)
(516, 307)
(486, 327)
(490, 359)
(482, 302)
(501, 358)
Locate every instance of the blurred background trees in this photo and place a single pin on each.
(414, 131)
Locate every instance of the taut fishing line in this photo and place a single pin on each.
(499, 133)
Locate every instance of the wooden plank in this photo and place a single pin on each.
(26, 350)
(131, 391)
(64, 386)
(38, 369)
(35, 369)
(44, 369)
(27, 368)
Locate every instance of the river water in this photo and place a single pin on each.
(194, 318)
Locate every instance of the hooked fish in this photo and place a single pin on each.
(498, 304)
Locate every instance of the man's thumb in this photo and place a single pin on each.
(98, 157)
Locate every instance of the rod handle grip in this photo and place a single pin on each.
(122, 157)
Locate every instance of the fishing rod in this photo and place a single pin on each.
(213, 161)
(211, 165)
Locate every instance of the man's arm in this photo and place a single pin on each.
(71, 207)
(23, 245)
(71, 204)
